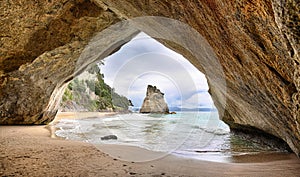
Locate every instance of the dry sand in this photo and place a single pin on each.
(30, 151)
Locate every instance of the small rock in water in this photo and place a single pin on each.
(154, 102)
(109, 137)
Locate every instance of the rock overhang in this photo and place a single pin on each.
(257, 49)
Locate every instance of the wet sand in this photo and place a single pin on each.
(30, 151)
(82, 115)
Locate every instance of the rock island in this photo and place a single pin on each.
(154, 101)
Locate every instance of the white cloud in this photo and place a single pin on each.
(202, 99)
(145, 61)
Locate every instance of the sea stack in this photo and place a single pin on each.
(154, 101)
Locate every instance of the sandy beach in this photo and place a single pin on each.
(30, 151)
(81, 115)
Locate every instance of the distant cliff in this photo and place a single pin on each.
(89, 92)
(154, 101)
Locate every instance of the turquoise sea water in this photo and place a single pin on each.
(190, 134)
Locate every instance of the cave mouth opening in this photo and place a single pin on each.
(194, 130)
(144, 61)
(190, 44)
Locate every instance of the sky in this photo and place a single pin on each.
(144, 61)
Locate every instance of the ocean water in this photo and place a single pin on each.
(199, 135)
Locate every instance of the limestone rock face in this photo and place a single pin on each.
(40, 43)
(256, 42)
(154, 101)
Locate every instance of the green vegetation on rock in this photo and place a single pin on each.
(92, 94)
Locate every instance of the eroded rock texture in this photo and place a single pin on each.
(40, 42)
(256, 42)
(154, 101)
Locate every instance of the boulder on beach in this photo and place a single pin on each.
(109, 137)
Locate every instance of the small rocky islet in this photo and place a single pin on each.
(154, 102)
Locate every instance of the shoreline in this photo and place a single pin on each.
(129, 152)
(212, 156)
(82, 115)
(140, 154)
(30, 151)
(75, 116)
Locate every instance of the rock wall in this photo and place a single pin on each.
(154, 101)
(256, 42)
(40, 43)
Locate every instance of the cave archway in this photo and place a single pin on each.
(264, 98)
(204, 53)
(216, 136)
(175, 35)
